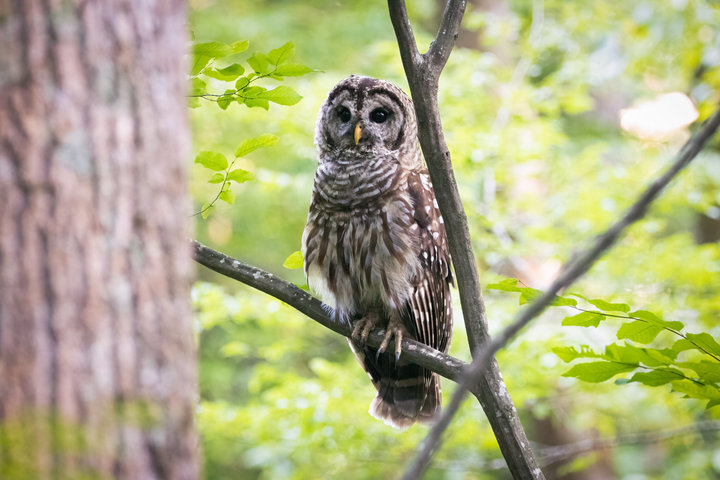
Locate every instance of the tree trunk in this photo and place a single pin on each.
(97, 369)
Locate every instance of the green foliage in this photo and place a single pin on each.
(699, 379)
(294, 260)
(272, 65)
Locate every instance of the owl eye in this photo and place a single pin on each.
(379, 115)
(344, 114)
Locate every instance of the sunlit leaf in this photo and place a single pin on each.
(294, 260)
(212, 160)
(506, 285)
(239, 47)
(227, 196)
(609, 307)
(584, 319)
(292, 70)
(657, 377)
(655, 320)
(206, 209)
(227, 74)
(240, 176)
(595, 372)
(281, 54)
(282, 95)
(639, 331)
(217, 178)
(260, 63)
(252, 144)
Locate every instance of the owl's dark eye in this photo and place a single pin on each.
(379, 115)
(344, 114)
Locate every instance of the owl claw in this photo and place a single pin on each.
(391, 332)
(362, 328)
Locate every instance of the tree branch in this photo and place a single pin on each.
(447, 34)
(556, 453)
(423, 80)
(571, 272)
(441, 363)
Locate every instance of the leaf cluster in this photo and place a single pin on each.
(274, 65)
(691, 365)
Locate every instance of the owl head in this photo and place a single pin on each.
(365, 116)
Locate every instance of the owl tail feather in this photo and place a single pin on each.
(402, 405)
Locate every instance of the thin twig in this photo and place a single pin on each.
(571, 272)
(556, 453)
(441, 363)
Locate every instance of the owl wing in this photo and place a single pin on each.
(429, 307)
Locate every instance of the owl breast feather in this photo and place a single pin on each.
(362, 257)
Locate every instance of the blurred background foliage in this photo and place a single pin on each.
(557, 113)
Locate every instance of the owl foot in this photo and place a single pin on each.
(364, 326)
(397, 330)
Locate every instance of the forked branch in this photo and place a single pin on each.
(423, 72)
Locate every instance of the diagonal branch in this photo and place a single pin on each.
(441, 363)
(571, 272)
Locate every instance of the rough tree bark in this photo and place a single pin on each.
(97, 373)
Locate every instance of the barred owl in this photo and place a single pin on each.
(375, 247)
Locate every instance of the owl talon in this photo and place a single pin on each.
(362, 328)
(392, 331)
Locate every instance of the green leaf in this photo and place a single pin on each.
(227, 74)
(281, 54)
(193, 102)
(212, 160)
(204, 52)
(638, 331)
(655, 320)
(657, 377)
(584, 319)
(217, 178)
(206, 209)
(260, 63)
(241, 83)
(707, 371)
(609, 307)
(631, 354)
(699, 341)
(256, 102)
(696, 390)
(239, 47)
(595, 372)
(293, 261)
(252, 144)
(568, 354)
(528, 294)
(564, 302)
(506, 285)
(227, 196)
(197, 87)
(240, 176)
(292, 70)
(212, 49)
(253, 92)
(282, 95)
(225, 101)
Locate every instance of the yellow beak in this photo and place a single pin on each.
(358, 132)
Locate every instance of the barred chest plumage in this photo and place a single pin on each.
(360, 243)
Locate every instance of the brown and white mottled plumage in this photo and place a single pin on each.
(375, 247)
